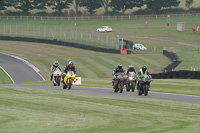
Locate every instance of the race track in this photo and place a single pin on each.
(18, 70)
(106, 92)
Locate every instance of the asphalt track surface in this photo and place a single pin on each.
(108, 92)
(19, 71)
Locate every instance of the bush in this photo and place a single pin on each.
(162, 11)
(112, 13)
(56, 14)
(43, 13)
(194, 10)
(13, 13)
(65, 13)
(72, 12)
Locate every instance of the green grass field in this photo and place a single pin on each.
(36, 111)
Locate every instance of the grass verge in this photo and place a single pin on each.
(4, 78)
(36, 111)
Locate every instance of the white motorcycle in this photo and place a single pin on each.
(131, 81)
(57, 77)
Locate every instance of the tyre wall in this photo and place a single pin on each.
(62, 43)
(167, 72)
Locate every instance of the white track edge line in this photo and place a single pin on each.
(8, 74)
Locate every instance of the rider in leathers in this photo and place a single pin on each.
(69, 67)
(118, 69)
(54, 67)
(143, 71)
(130, 69)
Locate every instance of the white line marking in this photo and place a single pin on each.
(8, 75)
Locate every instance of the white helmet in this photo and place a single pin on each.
(55, 63)
(71, 63)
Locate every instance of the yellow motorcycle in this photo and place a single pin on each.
(68, 80)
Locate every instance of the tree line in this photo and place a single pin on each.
(25, 6)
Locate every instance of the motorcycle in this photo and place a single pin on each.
(119, 82)
(68, 80)
(131, 81)
(143, 85)
(57, 77)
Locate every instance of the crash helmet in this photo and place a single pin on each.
(131, 67)
(71, 63)
(144, 68)
(55, 63)
(119, 66)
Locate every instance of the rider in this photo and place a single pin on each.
(143, 71)
(54, 67)
(68, 67)
(118, 69)
(130, 69)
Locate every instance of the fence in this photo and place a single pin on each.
(78, 18)
(57, 32)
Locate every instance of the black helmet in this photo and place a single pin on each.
(119, 66)
(144, 68)
(55, 63)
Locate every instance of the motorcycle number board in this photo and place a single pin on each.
(77, 81)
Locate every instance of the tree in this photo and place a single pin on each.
(123, 5)
(171, 3)
(188, 3)
(91, 5)
(156, 5)
(3, 3)
(27, 5)
(59, 5)
(76, 5)
(105, 4)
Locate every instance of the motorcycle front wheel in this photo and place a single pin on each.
(69, 84)
(146, 89)
(121, 87)
(58, 81)
(128, 86)
(133, 87)
(64, 86)
(140, 90)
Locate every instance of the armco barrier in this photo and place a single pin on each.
(56, 42)
(182, 74)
